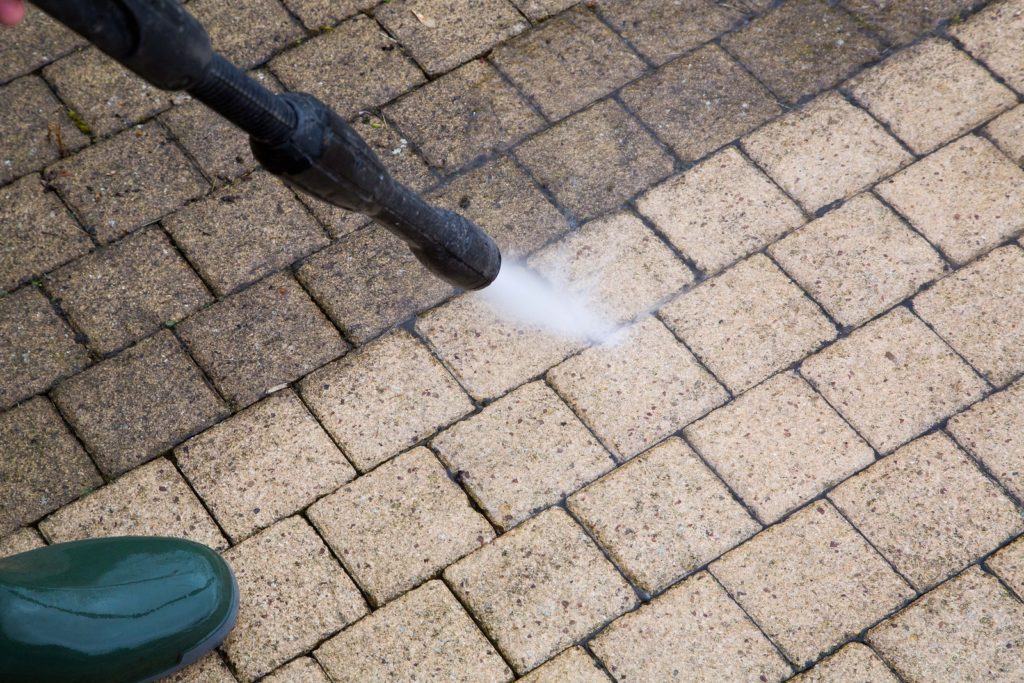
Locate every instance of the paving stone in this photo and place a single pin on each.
(692, 630)
(638, 391)
(126, 290)
(854, 662)
(36, 347)
(268, 335)
(568, 62)
(152, 500)
(383, 398)
(400, 524)
(539, 588)
(928, 509)
(523, 452)
(247, 33)
(353, 67)
(104, 95)
(369, 281)
(501, 199)
(318, 15)
(1007, 131)
(572, 665)
(139, 403)
(20, 541)
(264, 463)
(700, 102)
(300, 670)
(423, 635)
(662, 515)
(902, 22)
(595, 160)
(1008, 564)
(979, 310)
(811, 582)
(748, 322)
(893, 379)
(664, 30)
(37, 233)
(721, 210)
(858, 260)
(965, 198)
(617, 263)
(993, 432)
(827, 150)
(36, 128)
(969, 629)
(127, 181)
(209, 669)
(292, 595)
(802, 47)
(245, 231)
(38, 40)
(930, 94)
(43, 466)
(441, 34)
(779, 445)
(464, 115)
(541, 9)
(996, 37)
(488, 353)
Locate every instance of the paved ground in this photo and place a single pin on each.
(809, 457)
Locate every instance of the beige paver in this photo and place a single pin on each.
(383, 398)
(902, 22)
(993, 432)
(936, 78)
(573, 665)
(36, 128)
(400, 524)
(20, 541)
(979, 310)
(540, 9)
(522, 453)
(996, 37)
(779, 445)
(617, 263)
(1008, 564)
(320, 14)
(965, 198)
(1007, 131)
(928, 509)
(247, 33)
(568, 62)
(660, 30)
(126, 290)
(38, 41)
(858, 260)
(424, 635)
(539, 588)
(811, 582)
(968, 629)
(854, 662)
(748, 322)
(262, 464)
(825, 151)
(301, 670)
(694, 631)
(662, 515)
(893, 379)
(721, 210)
(209, 669)
(637, 391)
(153, 500)
(293, 594)
(43, 466)
(36, 347)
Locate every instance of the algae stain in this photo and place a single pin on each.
(80, 123)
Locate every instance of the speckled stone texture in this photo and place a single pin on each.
(901, 22)
(424, 635)
(293, 594)
(522, 453)
(247, 33)
(1007, 131)
(993, 432)
(36, 128)
(20, 541)
(572, 665)
(262, 464)
(693, 628)
(663, 30)
(209, 669)
(318, 15)
(539, 588)
(1008, 564)
(855, 662)
(399, 525)
(811, 581)
(39, 40)
(996, 37)
(662, 515)
(153, 500)
(300, 670)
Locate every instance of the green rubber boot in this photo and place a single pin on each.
(112, 610)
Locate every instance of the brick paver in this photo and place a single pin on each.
(1007, 131)
(36, 128)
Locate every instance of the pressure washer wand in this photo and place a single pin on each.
(294, 135)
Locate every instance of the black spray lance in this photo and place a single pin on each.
(294, 136)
